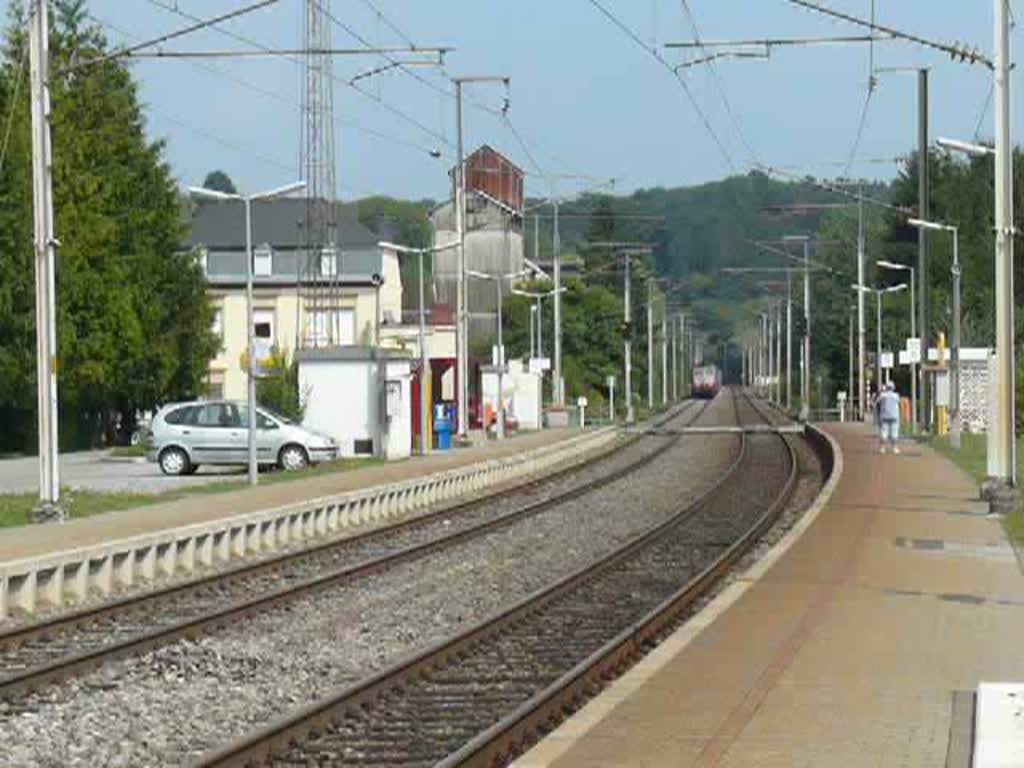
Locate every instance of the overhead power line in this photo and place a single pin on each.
(956, 52)
(678, 78)
(289, 100)
(199, 24)
(296, 60)
(719, 84)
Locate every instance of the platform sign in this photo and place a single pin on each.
(904, 357)
(914, 350)
(887, 360)
(540, 364)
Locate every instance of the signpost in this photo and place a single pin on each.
(914, 350)
(610, 381)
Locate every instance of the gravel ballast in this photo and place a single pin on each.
(170, 706)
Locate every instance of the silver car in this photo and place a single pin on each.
(184, 436)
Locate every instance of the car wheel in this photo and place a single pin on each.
(292, 457)
(174, 461)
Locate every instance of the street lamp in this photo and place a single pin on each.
(878, 324)
(498, 279)
(891, 265)
(805, 379)
(967, 147)
(247, 200)
(424, 360)
(954, 437)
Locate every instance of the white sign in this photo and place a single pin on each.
(887, 360)
(914, 350)
(904, 357)
(582, 402)
(540, 364)
(610, 381)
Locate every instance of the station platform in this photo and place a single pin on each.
(36, 540)
(851, 648)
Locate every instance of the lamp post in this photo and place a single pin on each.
(891, 265)
(878, 324)
(247, 201)
(498, 280)
(424, 360)
(805, 380)
(954, 383)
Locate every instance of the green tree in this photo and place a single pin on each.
(220, 181)
(132, 316)
(278, 388)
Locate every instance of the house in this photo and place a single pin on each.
(344, 304)
(300, 299)
(494, 235)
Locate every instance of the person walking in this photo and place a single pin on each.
(889, 418)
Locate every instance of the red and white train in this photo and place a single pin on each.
(707, 380)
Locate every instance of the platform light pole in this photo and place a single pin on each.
(247, 201)
(879, 292)
(891, 265)
(664, 353)
(498, 280)
(424, 359)
(49, 508)
(805, 379)
(954, 434)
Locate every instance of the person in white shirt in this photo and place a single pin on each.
(889, 418)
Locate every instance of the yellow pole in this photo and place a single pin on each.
(941, 411)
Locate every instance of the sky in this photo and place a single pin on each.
(586, 103)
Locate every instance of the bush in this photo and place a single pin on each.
(278, 388)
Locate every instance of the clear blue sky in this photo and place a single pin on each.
(586, 98)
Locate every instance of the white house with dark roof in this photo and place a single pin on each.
(338, 299)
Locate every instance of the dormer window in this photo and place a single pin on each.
(263, 261)
(328, 262)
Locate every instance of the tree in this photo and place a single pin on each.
(220, 182)
(133, 322)
(278, 388)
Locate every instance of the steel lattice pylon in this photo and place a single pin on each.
(319, 286)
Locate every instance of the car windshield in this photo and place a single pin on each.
(264, 417)
(275, 414)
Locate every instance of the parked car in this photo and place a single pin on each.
(184, 436)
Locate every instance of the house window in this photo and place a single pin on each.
(263, 261)
(329, 327)
(217, 322)
(263, 326)
(328, 262)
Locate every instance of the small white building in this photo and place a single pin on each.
(521, 393)
(361, 397)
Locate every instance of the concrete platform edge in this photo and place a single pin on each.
(69, 576)
(576, 728)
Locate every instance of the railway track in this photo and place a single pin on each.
(65, 646)
(480, 698)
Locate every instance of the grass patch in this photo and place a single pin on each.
(128, 451)
(16, 508)
(972, 458)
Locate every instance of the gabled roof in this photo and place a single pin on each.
(220, 225)
(488, 148)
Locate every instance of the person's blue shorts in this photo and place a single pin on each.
(890, 429)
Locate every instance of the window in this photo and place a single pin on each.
(333, 326)
(217, 322)
(328, 262)
(263, 261)
(262, 421)
(263, 326)
(181, 415)
(216, 415)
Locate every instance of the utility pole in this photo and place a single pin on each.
(778, 354)
(807, 329)
(461, 347)
(675, 359)
(664, 354)
(770, 342)
(461, 296)
(1006, 450)
(923, 212)
(49, 508)
(789, 340)
(850, 358)
(628, 344)
(861, 384)
(557, 384)
(650, 344)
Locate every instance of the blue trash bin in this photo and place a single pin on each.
(443, 430)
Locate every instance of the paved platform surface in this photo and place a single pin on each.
(17, 543)
(846, 653)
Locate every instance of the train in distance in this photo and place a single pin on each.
(707, 380)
